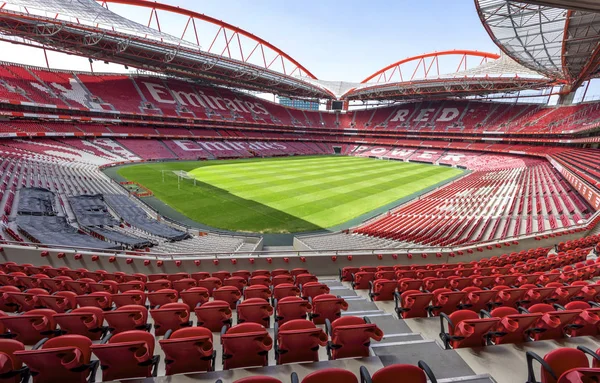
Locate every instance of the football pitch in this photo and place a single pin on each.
(286, 194)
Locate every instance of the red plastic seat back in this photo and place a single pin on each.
(285, 290)
(171, 316)
(246, 345)
(408, 372)
(330, 375)
(158, 284)
(470, 327)
(195, 295)
(327, 307)
(562, 360)
(414, 303)
(32, 326)
(188, 350)
(9, 362)
(184, 284)
(281, 279)
(313, 289)
(162, 297)
(228, 294)
(86, 321)
(101, 300)
(383, 289)
(299, 341)
(130, 297)
(362, 279)
(60, 359)
(214, 315)
(292, 308)
(236, 281)
(351, 337)
(126, 355)
(211, 284)
(59, 302)
(446, 301)
(255, 310)
(221, 275)
(305, 278)
(258, 291)
(127, 318)
(346, 273)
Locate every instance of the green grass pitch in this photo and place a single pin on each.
(284, 195)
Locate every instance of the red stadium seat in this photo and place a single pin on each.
(127, 318)
(254, 310)
(297, 341)
(32, 326)
(408, 372)
(330, 375)
(101, 300)
(171, 316)
(351, 337)
(586, 323)
(188, 350)
(214, 315)
(477, 299)
(281, 279)
(383, 290)
(263, 280)
(556, 364)
(304, 278)
(228, 294)
(413, 304)
(60, 301)
(257, 291)
(86, 321)
(291, 308)
(66, 358)
(313, 289)
(362, 279)
(446, 301)
(347, 272)
(406, 284)
(127, 355)
(158, 284)
(184, 284)
(211, 284)
(327, 307)
(194, 296)
(285, 290)
(162, 297)
(237, 282)
(513, 327)
(465, 329)
(11, 366)
(552, 323)
(245, 345)
(130, 297)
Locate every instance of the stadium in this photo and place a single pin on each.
(212, 211)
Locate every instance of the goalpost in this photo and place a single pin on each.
(181, 174)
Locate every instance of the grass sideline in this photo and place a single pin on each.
(284, 194)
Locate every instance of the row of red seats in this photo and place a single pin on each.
(130, 311)
(418, 304)
(130, 354)
(508, 325)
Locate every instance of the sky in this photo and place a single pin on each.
(334, 40)
(337, 41)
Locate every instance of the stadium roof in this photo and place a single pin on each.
(532, 35)
(562, 44)
(581, 5)
(89, 29)
(495, 73)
